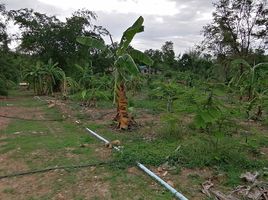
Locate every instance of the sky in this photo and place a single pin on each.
(179, 21)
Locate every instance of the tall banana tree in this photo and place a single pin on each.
(124, 65)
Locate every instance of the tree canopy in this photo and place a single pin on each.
(47, 37)
(239, 27)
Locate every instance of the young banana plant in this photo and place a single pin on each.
(125, 67)
(253, 83)
(251, 79)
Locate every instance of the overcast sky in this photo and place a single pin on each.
(179, 21)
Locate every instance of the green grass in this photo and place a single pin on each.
(40, 144)
(149, 153)
(135, 186)
(176, 141)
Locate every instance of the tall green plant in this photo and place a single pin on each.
(251, 83)
(124, 67)
(169, 92)
(208, 113)
(52, 73)
(86, 75)
(44, 77)
(34, 76)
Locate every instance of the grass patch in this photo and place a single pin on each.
(149, 153)
(228, 155)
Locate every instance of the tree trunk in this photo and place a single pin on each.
(122, 117)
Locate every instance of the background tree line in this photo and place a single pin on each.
(238, 30)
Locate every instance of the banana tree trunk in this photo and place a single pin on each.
(122, 117)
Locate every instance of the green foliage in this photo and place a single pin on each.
(128, 36)
(208, 113)
(10, 64)
(85, 75)
(44, 77)
(251, 82)
(155, 154)
(168, 55)
(92, 42)
(196, 63)
(125, 67)
(93, 86)
(48, 37)
(168, 91)
(140, 56)
(136, 84)
(171, 126)
(90, 97)
(225, 37)
(228, 155)
(3, 87)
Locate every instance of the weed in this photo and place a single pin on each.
(9, 190)
(172, 126)
(228, 156)
(151, 153)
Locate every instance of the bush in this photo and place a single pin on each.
(172, 127)
(3, 87)
(227, 154)
(148, 153)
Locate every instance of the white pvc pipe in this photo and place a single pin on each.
(97, 136)
(162, 182)
(146, 170)
(101, 138)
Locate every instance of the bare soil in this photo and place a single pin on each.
(17, 112)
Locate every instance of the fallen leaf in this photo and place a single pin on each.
(250, 177)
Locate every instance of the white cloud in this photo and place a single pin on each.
(179, 21)
(151, 7)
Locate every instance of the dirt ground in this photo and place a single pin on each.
(12, 112)
(87, 183)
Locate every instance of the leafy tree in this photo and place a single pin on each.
(169, 92)
(47, 37)
(196, 62)
(3, 34)
(124, 67)
(4, 65)
(168, 54)
(157, 57)
(238, 27)
(8, 60)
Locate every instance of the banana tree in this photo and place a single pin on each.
(253, 83)
(86, 75)
(52, 73)
(124, 67)
(44, 77)
(34, 75)
(251, 80)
